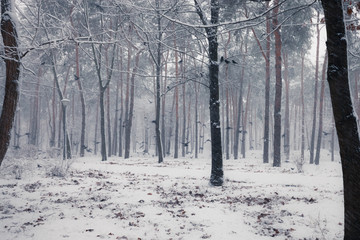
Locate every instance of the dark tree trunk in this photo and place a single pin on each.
(12, 63)
(102, 123)
(158, 85)
(216, 178)
(278, 89)
(345, 120)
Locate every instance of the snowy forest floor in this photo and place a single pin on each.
(138, 198)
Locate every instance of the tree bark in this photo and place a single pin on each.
(302, 109)
(278, 89)
(217, 174)
(345, 120)
(267, 92)
(321, 112)
(12, 64)
(287, 109)
(158, 83)
(312, 143)
(131, 107)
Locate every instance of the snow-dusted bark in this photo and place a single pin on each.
(217, 173)
(345, 120)
(12, 62)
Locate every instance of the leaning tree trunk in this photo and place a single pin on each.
(12, 63)
(345, 120)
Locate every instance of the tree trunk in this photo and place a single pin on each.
(12, 64)
(102, 123)
(126, 117)
(81, 92)
(267, 91)
(216, 178)
(131, 107)
(196, 89)
(312, 143)
(116, 116)
(176, 140)
(108, 121)
(53, 125)
(121, 106)
(321, 112)
(345, 120)
(278, 89)
(302, 109)
(240, 103)
(96, 128)
(35, 114)
(163, 127)
(244, 129)
(158, 85)
(183, 140)
(287, 109)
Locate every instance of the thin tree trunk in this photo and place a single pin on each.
(312, 143)
(121, 106)
(244, 129)
(183, 140)
(53, 127)
(170, 127)
(240, 103)
(81, 92)
(321, 112)
(158, 85)
(163, 127)
(196, 89)
(302, 109)
(131, 107)
(278, 88)
(35, 116)
(287, 109)
(96, 128)
(176, 140)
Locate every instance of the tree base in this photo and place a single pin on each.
(216, 181)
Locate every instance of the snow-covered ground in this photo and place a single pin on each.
(138, 198)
